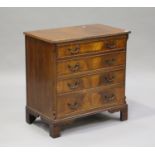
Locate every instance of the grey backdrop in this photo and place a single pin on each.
(101, 130)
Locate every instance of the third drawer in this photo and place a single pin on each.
(104, 78)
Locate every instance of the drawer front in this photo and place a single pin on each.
(90, 81)
(104, 45)
(90, 63)
(77, 103)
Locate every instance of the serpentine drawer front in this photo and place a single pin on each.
(75, 72)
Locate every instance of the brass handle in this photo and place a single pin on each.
(74, 105)
(74, 68)
(111, 44)
(108, 97)
(108, 78)
(74, 50)
(74, 85)
(110, 61)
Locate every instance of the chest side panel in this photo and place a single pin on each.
(40, 70)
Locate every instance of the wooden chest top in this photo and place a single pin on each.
(66, 34)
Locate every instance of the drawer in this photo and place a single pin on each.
(77, 103)
(102, 45)
(90, 63)
(90, 81)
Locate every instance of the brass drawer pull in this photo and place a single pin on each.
(74, 85)
(111, 44)
(108, 97)
(74, 50)
(74, 68)
(110, 61)
(108, 78)
(74, 105)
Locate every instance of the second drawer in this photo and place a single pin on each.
(90, 63)
(90, 81)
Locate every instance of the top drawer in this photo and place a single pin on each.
(102, 45)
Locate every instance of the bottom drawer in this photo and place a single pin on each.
(78, 103)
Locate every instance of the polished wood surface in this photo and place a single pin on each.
(85, 47)
(41, 76)
(73, 103)
(103, 78)
(73, 66)
(66, 34)
(75, 72)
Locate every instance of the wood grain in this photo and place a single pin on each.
(90, 63)
(75, 72)
(60, 35)
(85, 47)
(74, 103)
(104, 78)
(41, 76)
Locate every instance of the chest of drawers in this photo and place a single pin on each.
(73, 72)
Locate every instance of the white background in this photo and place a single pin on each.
(100, 130)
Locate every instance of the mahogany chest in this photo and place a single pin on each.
(73, 72)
